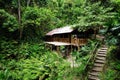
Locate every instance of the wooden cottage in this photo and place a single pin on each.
(67, 36)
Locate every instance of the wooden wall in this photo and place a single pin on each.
(69, 39)
(79, 41)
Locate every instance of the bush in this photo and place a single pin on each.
(8, 21)
(49, 66)
(37, 21)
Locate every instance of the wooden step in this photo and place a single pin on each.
(104, 46)
(100, 61)
(97, 69)
(100, 58)
(101, 52)
(93, 78)
(104, 49)
(94, 73)
(98, 64)
(103, 55)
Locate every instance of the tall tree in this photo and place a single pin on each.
(19, 18)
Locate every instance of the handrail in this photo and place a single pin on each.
(92, 55)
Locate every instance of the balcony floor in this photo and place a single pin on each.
(58, 43)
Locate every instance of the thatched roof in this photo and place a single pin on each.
(66, 29)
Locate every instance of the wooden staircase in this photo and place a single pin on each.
(100, 60)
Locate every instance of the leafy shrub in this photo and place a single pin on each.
(86, 49)
(37, 21)
(8, 49)
(112, 66)
(108, 75)
(28, 50)
(8, 21)
(49, 66)
(13, 50)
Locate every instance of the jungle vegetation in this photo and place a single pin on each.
(24, 23)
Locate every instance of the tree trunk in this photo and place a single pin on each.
(19, 18)
(28, 3)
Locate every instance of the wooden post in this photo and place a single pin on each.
(67, 50)
(76, 42)
(58, 49)
(51, 47)
(71, 42)
(78, 48)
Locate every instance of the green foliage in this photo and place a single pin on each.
(37, 63)
(111, 40)
(49, 66)
(36, 16)
(115, 1)
(109, 75)
(112, 71)
(116, 8)
(93, 16)
(37, 21)
(113, 35)
(85, 50)
(112, 68)
(8, 21)
(8, 49)
(13, 50)
(27, 61)
(82, 58)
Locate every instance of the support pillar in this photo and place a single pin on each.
(58, 49)
(78, 48)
